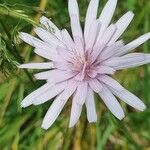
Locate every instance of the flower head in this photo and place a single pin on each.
(83, 65)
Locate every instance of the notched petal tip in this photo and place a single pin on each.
(142, 107)
(147, 35)
(121, 116)
(44, 126)
(25, 104)
(71, 124)
(92, 121)
(43, 18)
(131, 13)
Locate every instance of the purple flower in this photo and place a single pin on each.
(83, 65)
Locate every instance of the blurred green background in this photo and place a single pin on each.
(20, 129)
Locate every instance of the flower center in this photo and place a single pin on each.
(83, 69)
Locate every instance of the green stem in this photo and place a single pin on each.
(4, 10)
(146, 72)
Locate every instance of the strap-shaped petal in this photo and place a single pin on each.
(95, 85)
(73, 8)
(92, 34)
(58, 105)
(53, 76)
(90, 106)
(51, 26)
(81, 93)
(110, 81)
(46, 54)
(128, 61)
(122, 25)
(48, 65)
(123, 94)
(75, 113)
(111, 103)
(48, 37)
(35, 42)
(67, 39)
(101, 43)
(110, 51)
(75, 19)
(27, 101)
(76, 27)
(90, 15)
(50, 93)
(105, 70)
(106, 15)
(134, 44)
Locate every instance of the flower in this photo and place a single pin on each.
(83, 65)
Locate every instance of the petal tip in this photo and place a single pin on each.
(71, 125)
(43, 18)
(24, 104)
(44, 126)
(130, 12)
(93, 121)
(121, 115)
(143, 107)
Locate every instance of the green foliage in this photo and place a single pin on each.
(20, 129)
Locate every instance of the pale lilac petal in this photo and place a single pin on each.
(111, 103)
(105, 70)
(27, 101)
(53, 112)
(90, 15)
(106, 16)
(51, 26)
(58, 105)
(53, 76)
(95, 85)
(73, 8)
(48, 37)
(110, 81)
(91, 37)
(129, 60)
(123, 94)
(64, 54)
(64, 66)
(67, 39)
(134, 44)
(122, 25)
(47, 54)
(76, 106)
(50, 93)
(47, 74)
(108, 34)
(35, 42)
(101, 43)
(92, 73)
(90, 106)
(74, 17)
(79, 47)
(48, 65)
(76, 27)
(110, 51)
(75, 113)
(65, 75)
(130, 99)
(81, 93)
